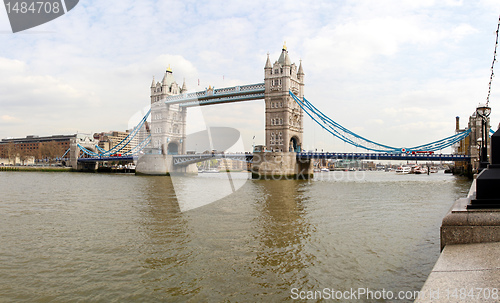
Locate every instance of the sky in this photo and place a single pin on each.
(397, 72)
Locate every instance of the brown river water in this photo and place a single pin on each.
(75, 237)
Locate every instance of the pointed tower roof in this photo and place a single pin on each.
(184, 87)
(153, 83)
(268, 62)
(284, 58)
(287, 59)
(301, 71)
(168, 78)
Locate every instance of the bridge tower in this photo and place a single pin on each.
(284, 117)
(168, 122)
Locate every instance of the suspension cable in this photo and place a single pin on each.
(356, 140)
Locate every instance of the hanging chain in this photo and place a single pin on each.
(493, 64)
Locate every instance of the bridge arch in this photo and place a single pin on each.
(294, 144)
(173, 148)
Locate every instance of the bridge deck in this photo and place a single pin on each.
(96, 159)
(195, 158)
(384, 156)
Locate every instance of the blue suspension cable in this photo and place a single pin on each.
(122, 144)
(352, 138)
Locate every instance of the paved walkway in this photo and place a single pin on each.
(465, 273)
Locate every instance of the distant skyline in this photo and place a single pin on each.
(396, 72)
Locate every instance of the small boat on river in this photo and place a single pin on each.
(403, 170)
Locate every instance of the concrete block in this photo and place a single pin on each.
(463, 226)
(478, 256)
(484, 234)
(456, 235)
(484, 218)
(464, 273)
(456, 219)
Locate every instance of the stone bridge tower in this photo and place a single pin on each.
(168, 122)
(284, 117)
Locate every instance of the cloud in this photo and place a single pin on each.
(9, 119)
(367, 63)
(376, 122)
(23, 88)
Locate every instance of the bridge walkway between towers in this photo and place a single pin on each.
(219, 96)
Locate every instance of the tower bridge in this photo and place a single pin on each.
(164, 150)
(170, 101)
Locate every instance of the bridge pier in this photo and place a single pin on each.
(86, 141)
(162, 165)
(281, 165)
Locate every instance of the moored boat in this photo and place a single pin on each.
(402, 170)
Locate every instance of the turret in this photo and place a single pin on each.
(268, 63)
(153, 86)
(184, 87)
(300, 73)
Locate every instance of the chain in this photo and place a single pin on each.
(493, 64)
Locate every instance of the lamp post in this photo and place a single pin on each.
(483, 111)
(488, 180)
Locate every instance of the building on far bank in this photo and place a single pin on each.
(108, 140)
(33, 149)
(231, 165)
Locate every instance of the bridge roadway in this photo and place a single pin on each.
(101, 159)
(189, 159)
(383, 156)
(195, 158)
(181, 160)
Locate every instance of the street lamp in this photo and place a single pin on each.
(483, 111)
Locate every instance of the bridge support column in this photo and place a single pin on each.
(280, 166)
(74, 153)
(162, 165)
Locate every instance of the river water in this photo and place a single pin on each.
(75, 237)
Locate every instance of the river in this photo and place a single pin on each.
(76, 237)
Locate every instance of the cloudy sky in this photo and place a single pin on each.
(396, 72)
